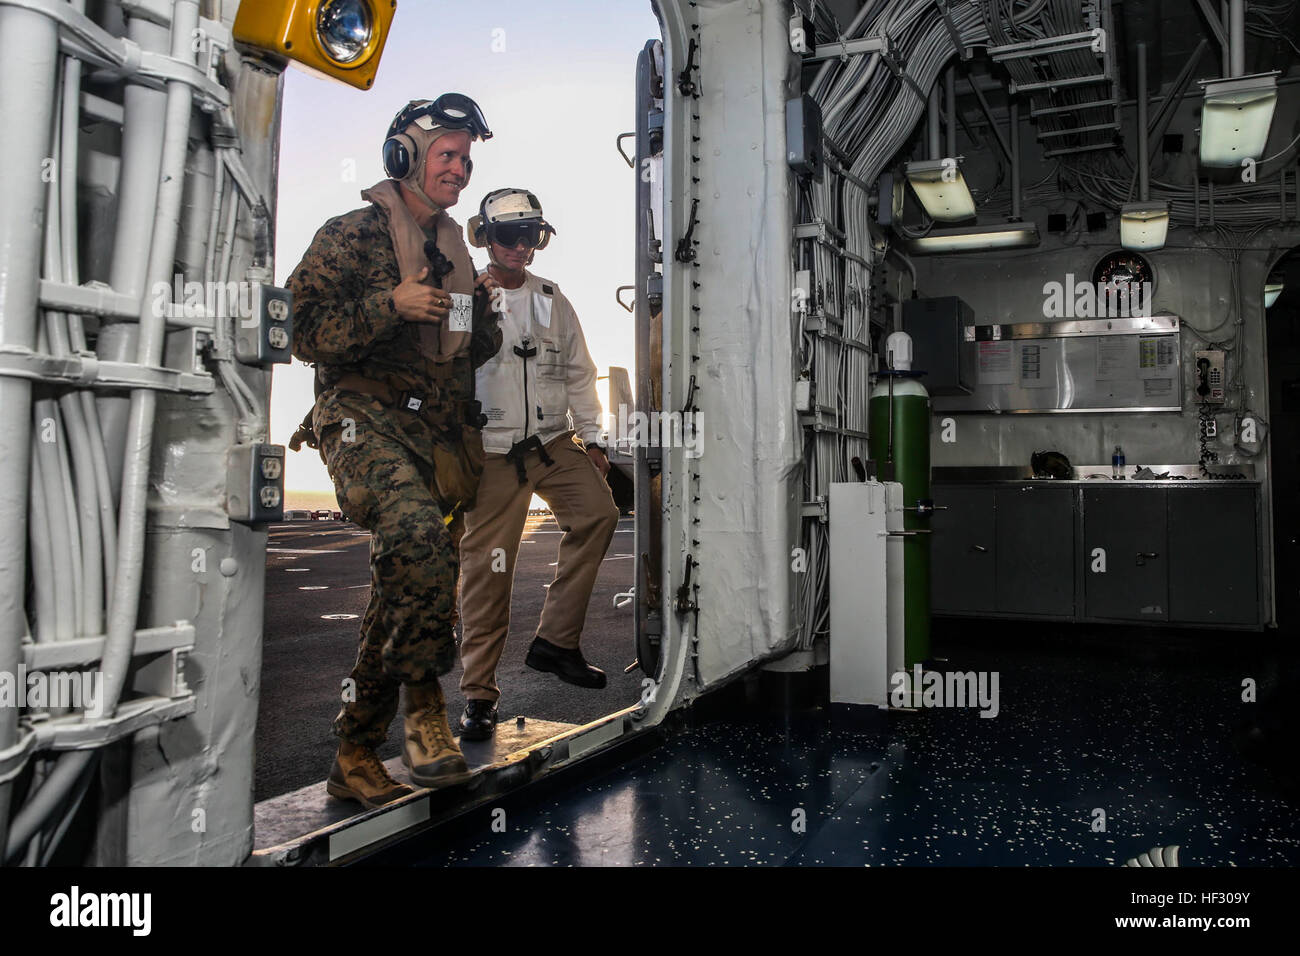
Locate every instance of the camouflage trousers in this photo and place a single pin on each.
(408, 632)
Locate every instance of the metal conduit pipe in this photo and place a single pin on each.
(137, 195)
(126, 596)
(69, 500)
(993, 123)
(103, 483)
(125, 605)
(932, 124)
(46, 434)
(29, 44)
(87, 498)
(1013, 135)
(200, 174)
(69, 233)
(42, 558)
(1143, 161)
(214, 222)
(88, 575)
(950, 100)
(1226, 52)
(69, 137)
(1236, 27)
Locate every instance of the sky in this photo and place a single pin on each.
(556, 82)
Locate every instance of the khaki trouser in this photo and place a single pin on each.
(584, 507)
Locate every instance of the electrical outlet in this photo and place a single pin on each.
(265, 337)
(255, 484)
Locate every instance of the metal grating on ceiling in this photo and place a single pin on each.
(1070, 78)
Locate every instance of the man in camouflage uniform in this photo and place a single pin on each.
(395, 348)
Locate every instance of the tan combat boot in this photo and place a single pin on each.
(358, 774)
(430, 750)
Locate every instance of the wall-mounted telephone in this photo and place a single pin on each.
(1209, 377)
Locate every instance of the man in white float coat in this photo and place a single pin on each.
(542, 434)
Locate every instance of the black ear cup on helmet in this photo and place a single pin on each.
(400, 155)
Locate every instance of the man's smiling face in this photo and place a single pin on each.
(447, 169)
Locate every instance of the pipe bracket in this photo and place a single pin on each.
(89, 371)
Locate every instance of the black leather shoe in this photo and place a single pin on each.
(569, 666)
(479, 720)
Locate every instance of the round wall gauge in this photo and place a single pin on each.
(1124, 281)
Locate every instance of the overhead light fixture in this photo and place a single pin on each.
(942, 189)
(341, 39)
(1236, 117)
(1008, 235)
(1143, 225)
(1272, 289)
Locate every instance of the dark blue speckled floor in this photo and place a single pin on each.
(1138, 724)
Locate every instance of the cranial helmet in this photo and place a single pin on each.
(507, 216)
(418, 125)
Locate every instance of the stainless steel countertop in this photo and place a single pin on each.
(1181, 476)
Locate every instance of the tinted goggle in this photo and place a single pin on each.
(450, 111)
(530, 232)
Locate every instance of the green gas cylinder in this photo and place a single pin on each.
(899, 423)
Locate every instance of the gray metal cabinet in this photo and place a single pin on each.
(1035, 550)
(1125, 531)
(1213, 556)
(962, 550)
(1175, 552)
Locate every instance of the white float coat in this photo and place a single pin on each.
(560, 380)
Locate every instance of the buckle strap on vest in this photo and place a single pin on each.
(519, 451)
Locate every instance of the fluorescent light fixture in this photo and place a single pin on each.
(977, 238)
(943, 192)
(1236, 117)
(1143, 225)
(1272, 289)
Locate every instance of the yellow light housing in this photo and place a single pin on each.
(340, 39)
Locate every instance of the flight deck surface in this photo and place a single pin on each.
(317, 588)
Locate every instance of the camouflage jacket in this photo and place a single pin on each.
(345, 321)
